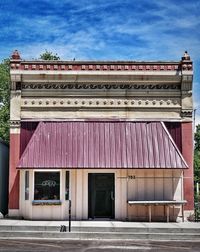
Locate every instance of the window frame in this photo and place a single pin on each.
(65, 183)
(26, 185)
(48, 200)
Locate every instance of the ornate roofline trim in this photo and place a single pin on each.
(100, 86)
(17, 63)
(100, 66)
(187, 113)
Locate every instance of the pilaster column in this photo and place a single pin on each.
(13, 172)
(14, 183)
(187, 151)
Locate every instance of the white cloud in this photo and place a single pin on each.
(99, 29)
(197, 119)
(76, 34)
(197, 103)
(166, 36)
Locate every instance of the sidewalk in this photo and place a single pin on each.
(25, 229)
(100, 224)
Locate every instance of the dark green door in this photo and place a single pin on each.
(101, 195)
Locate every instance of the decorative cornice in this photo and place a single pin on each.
(186, 113)
(100, 86)
(186, 84)
(100, 102)
(186, 62)
(187, 66)
(97, 66)
(15, 124)
(16, 63)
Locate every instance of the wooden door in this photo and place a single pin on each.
(101, 195)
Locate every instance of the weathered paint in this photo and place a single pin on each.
(146, 185)
(13, 172)
(187, 151)
(102, 145)
(104, 90)
(64, 66)
(28, 128)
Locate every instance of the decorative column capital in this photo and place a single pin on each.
(15, 123)
(186, 113)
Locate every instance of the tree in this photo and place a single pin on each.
(5, 93)
(4, 100)
(49, 56)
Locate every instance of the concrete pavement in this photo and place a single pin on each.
(97, 245)
(10, 228)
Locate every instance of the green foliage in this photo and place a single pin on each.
(197, 138)
(197, 165)
(4, 82)
(197, 154)
(5, 93)
(49, 56)
(4, 100)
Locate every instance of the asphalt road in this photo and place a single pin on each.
(96, 245)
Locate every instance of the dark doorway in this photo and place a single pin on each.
(101, 195)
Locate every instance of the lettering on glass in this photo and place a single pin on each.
(49, 183)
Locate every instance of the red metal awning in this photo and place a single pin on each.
(98, 144)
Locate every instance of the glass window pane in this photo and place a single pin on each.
(67, 185)
(47, 186)
(26, 185)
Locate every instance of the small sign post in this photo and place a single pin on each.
(69, 215)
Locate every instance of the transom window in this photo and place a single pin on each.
(47, 186)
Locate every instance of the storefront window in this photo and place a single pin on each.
(26, 185)
(67, 185)
(47, 186)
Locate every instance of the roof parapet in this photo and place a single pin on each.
(18, 64)
(186, 62)
(15, 56)
(186, 56)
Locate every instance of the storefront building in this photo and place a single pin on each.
(114, 137)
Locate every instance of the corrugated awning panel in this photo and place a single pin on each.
(102, 145)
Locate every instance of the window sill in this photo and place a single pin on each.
(46, 202)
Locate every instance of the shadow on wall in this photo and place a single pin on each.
(154, 185)
(4, 171)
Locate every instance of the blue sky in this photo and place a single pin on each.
(99, 29)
